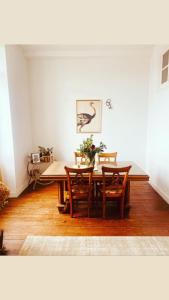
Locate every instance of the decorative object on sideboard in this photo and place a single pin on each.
(46, 154)
(88, 116)
(109, 103)
(35, 158)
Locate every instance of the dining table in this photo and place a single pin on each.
(56, 172)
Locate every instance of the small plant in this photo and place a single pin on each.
(45, 151)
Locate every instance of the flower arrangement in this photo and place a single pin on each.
(89, 149)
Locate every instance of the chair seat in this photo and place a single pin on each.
(112, 191)
(80, 191)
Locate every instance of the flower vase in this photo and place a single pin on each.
(91, 161)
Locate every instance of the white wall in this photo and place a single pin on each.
(158, 127)
(20, 113)
(55, 84)
(7, 162)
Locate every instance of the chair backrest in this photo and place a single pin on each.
(79, 158)
(80, 177)
(107, 157)
(115, 176)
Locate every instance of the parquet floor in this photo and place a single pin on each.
(35, 213)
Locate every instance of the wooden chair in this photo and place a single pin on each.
(104, 158)
(79, 158)
(114, 186)
(79, 186)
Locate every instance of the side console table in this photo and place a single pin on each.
(34, 171)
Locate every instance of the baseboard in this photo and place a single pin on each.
(160, 192)
(19, 190)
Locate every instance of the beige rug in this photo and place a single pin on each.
(94, 245)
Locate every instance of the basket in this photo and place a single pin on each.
(47, 158)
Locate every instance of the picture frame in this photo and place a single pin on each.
(35, 158)
(165, 68)
(88, 116)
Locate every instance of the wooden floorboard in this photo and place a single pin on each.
(36, 213)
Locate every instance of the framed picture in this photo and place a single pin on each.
(35, 157)
(165, 68)
(88, 116)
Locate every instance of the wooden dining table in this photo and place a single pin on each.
(56, 172)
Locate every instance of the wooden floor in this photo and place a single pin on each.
(35, 213)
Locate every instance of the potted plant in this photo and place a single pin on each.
(45, 153)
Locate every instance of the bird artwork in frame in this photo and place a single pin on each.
(88, 116)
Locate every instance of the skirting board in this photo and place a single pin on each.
(19, 190)
(159, 191)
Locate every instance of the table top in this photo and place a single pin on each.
(56, 170)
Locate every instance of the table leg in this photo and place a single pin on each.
(127, 195)
(61, 194)
(63, 201)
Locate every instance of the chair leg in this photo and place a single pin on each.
(122, 209)
(104, 208)
(71, 209)
(89, 205)
(89, 210)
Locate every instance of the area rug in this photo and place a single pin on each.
(94, 245)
